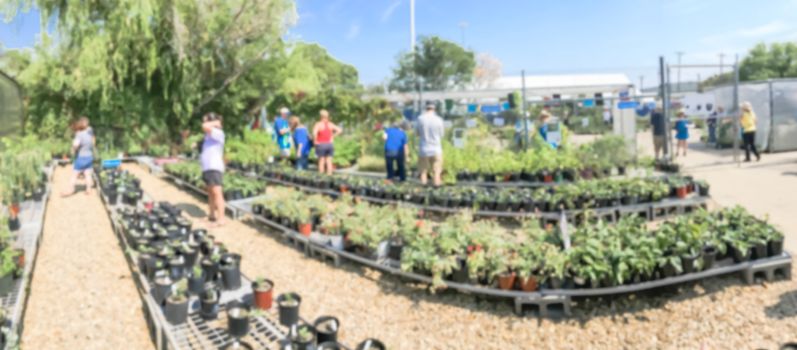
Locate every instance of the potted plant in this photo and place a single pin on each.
(176, 309)
(371, 344)
(288, 305)
(263, 290)
(162, 287)
(702, 187)
(326, 328)
(237, 320)
(230, 268)
(209, 302)
(304, 219)
(304, 339)
(8, 268)
(196, 280)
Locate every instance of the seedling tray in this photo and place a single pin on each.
(544, 298)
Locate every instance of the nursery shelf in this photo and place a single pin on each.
(561, 299)
(197, 333)
(650, 211)
(31, 217)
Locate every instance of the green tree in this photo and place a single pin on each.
(440, 63)
(779, 60)
(151, 66)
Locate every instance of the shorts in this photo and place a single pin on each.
(658, 142)
(83, 163)
(213, 177)
(433, 163)
(324, 150)
(285, 152)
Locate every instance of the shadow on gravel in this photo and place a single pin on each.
(192, 210)
(785, 308)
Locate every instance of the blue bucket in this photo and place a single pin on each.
(111, 163)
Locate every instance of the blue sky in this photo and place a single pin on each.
(542, 37)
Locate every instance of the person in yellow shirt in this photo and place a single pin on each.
(748, 121)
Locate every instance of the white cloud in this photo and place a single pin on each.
(354, 31)
(389, 11)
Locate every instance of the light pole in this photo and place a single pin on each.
(462, 26)
(722, 55)
(679, 53)
(641, 79)
(412, 26)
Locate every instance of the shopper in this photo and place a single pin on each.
(430, 129)
(396, 151)
(681, 133)
(748, 121)
(658, 126)
(282, 133)
(301, 140)
(324, 132)
(83, 149)
(212, 161)
(545, 116)
(711, 123)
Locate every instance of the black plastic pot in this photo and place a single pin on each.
(196, 283)
(176, 268)
(330, 345)
(371, 344)
(326, 328)
(257, 209)
(209, 303)
(191, 255)
(760, 250)
(231, 271)
(740, 256)
(210, 268)
(13, 224)
(688, 263)
(288, 312)
(395, 247)
(113, 197)
(709, 256)
(460, 273)
(176, 311)
(668, 270)
(237, 320)
(162, 289)
(304, 338)
(775, 247)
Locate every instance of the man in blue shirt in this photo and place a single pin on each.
(396, 151)
(301, 140)
(283, 133)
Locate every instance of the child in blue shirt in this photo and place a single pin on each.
(681, 132)
(301, 140)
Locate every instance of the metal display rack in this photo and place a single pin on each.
(28, 238)
(197, 333)
(650, 211)
(543, 300)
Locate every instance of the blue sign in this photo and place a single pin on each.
(472, 108)
(627, 104)
(505, 106)
(588, 103)
(491, 109)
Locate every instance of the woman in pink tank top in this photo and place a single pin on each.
(324, 133)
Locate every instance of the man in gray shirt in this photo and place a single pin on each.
(430, 131)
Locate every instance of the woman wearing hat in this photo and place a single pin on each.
(748, 120)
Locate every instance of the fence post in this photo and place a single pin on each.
(771, 137)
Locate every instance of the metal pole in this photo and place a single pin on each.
(641, 78)
(523, 109)
(412, 26)
(771, 136)
(667, 112)
(737, 123)
(462, 26)
(679, 53)
(722, 55)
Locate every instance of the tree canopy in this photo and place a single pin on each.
(151, 65)
(778, 60)
(440, 63)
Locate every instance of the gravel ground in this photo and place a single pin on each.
(82, 295)
(717, 314)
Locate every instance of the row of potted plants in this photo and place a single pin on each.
(482, 252)
(181, 262)
(599, 193)
(235, 186)
(12, 260)
(22, 178)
